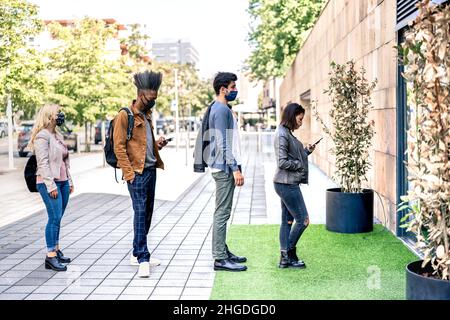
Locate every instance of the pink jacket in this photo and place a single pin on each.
(49, 158)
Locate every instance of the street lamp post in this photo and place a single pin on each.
(103, 133)
(10, 134)
(177, 120)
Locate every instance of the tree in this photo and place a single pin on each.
(134, 45)
(21, 69)
(86, 79)
(194, 93)
(278, 30)
(26, 83)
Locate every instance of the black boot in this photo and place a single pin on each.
(284, 259)
(54, 264)
(234, 257)
(61, 257)
(293, 259)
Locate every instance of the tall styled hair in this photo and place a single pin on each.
(291, 111)
(147, 80)
(43, 119)
(223, 79)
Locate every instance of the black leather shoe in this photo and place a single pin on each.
(294, 261)
(228, 265)
(61, 257)
(234, 257)
(54, 264)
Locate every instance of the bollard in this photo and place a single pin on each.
(259, 139)
(78, 144)
(187, 151)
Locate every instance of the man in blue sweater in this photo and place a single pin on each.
(221, 157)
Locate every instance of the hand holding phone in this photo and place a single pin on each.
(314, 144)
(169, 139)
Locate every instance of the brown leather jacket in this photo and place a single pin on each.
(131, 154)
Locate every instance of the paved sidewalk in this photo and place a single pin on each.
(97, 234)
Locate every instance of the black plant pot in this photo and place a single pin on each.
(419, 287)
(349, 212)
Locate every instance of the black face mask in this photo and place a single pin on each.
(148, 105)
(60, 118)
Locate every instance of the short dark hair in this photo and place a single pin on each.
(223, 79)
(147, 80)
(291, 111)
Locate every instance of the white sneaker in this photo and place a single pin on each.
(144, 270)
(153, 261)
(133, 260)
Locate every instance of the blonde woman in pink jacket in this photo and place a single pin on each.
(53, 180)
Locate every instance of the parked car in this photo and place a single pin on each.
(98, 131)
(162, 127)
(3, 129)
(171, 125)
(190, 124)
(70, 138)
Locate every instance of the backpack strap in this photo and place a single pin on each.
(130, 122)
(129, 131)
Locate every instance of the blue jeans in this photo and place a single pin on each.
(55, 211)
(292, 208)
(142, 192)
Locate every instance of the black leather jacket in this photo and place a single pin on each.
(292, 158)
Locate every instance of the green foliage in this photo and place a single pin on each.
(87, 81)
(18, 22)
(21, 69)
(27, 83)
(278, 30)
(350, 94)
(194, 94)
(133, 45)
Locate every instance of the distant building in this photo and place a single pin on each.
(175, 52)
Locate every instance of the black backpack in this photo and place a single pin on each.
(110, 156)
(30, 173)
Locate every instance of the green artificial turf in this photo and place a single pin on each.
(339, 266)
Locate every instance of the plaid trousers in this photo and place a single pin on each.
(142, 192)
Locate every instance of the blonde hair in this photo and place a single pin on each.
(43, 119)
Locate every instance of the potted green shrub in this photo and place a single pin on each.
(426, 57)
(349, 209)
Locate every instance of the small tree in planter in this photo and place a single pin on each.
(349, 208)
(426, 56)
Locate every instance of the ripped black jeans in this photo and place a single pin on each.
(292, 208)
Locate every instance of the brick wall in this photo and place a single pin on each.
(362, 30)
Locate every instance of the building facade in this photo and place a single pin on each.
(367, 32)
(181, 52)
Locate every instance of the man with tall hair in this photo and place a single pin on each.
(138, 158)
(216, 149)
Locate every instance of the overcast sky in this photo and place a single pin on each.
(217, 29)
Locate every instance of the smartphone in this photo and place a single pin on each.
(317, 141)
(169, 139)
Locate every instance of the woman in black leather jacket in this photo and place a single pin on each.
(292, 170)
